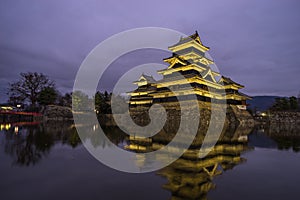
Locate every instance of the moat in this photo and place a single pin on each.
(245, 164)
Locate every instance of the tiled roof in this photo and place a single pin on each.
(194, 37)
(228, 81)
(150, 79)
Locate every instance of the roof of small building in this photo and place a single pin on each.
(149, 79)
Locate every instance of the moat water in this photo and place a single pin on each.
(49, 162)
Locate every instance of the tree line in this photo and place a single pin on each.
(36, 91)
(286, 104)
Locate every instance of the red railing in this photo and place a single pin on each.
(25, 123)
(19, 113)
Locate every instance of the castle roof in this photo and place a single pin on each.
(194, 37)
(228, 81)
(148, 79)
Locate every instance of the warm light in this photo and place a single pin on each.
(18, 106)
(5, 126)
(263, 114)
(95, 127)
(7, 107)
(16, 129)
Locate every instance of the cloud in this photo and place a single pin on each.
(254, 42)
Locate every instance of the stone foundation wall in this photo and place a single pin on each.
(53, 112)
(285, 117)
(282, 123)
(234, 115)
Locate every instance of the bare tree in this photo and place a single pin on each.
(298, 100)
(29, 86)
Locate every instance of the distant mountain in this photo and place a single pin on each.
(261, 103)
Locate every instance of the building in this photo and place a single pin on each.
(188, 62)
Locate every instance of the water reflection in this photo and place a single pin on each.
(283, 136)
(188, 178)
(191, 178)
(27, 143)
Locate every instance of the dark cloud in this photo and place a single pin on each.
(254, 42)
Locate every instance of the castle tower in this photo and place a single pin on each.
(189, 62)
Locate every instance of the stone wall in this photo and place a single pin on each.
(282, 123)
(53, 112)
(234, 116)
(284, 117)
(238, 122)
(242, 117)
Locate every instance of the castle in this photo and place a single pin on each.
(189, 62)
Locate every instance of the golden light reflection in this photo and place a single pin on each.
(190, 177)
(5, 126)
(95, 127)
(16, 129)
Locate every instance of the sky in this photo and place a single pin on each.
(256, 43)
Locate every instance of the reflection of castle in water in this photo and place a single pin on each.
(190, 177)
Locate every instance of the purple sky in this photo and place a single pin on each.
(256, 43)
